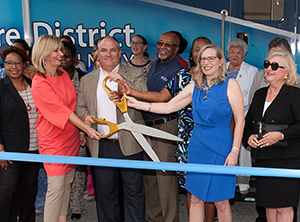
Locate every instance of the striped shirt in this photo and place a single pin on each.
(32, 116)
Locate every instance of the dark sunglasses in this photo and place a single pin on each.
(167, 45)
(274, 65)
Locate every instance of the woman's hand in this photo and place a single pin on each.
(88, 120)
(253, 141)
(4, 163)
(270, 138)
(232, 158)
(82, 139)
(132, 102)
(93, 134)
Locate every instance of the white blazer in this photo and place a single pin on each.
(245, 78)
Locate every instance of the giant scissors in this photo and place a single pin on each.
(137, 130)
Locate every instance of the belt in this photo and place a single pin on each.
(112, 140)
(159, 121)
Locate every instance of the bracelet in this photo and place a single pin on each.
(282, 136)
(149, 107)
(145, 95)
(236, 148)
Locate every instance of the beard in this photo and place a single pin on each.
(163, 56)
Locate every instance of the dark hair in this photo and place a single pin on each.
(14, 49)
(71, 47)
(25, 47)
(191, 61)
(68, 38)
(280, 42)
(182, 42)
(24, 44)
(145, 54)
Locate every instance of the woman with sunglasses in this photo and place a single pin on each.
(278, 106)
(138, 47)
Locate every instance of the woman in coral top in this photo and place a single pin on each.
(56, 126)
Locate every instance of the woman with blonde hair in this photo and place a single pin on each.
(57, 125)
(216, 98)
(272, 129)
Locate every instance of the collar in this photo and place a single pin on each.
(114, 70)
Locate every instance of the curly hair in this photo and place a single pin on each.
(14, 49)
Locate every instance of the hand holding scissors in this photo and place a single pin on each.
(136, 129)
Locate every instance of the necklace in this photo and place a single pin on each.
(28, 107)
(206, 89)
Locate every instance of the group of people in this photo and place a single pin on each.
(45, 124)
(224, 113)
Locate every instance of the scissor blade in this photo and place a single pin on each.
(145, 145)
(149, 131)
(146, 130)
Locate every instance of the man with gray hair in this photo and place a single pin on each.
(93, 101)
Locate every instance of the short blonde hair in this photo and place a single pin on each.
(44, 46)
(288, 63)
(200, 76)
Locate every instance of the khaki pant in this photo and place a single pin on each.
(162, 204)
(58, 196)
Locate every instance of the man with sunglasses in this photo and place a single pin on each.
(162, 187)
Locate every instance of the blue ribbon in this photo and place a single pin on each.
(136, 164)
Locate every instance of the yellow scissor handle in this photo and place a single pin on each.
(112, 126)
(121, 105)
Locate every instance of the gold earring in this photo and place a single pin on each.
(285, 77)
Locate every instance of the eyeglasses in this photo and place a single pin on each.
(167, 45)
(9, 63)
(209, 59)
(274, 65)
(66, 56)
(135, 43)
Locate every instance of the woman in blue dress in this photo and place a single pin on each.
(216, 100)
